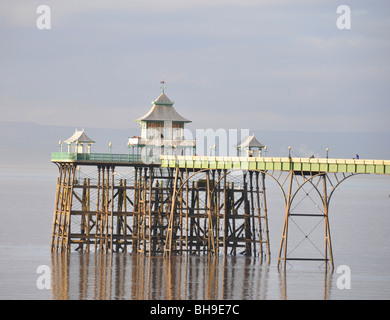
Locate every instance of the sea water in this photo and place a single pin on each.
(359, 223)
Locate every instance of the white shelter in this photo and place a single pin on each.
(79, 142)
(162, 127)
(247, 148)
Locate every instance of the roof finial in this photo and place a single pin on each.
(163, 86)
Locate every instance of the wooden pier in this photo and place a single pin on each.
(160, 198)
(153, 210)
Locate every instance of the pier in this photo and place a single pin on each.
(189, 204)
(162, 199)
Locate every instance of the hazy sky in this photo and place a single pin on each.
(265, 65)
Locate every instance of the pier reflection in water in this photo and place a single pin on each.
(98, 276)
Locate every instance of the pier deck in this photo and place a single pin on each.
(279, 164)
(235, 163)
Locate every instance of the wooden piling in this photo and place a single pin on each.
(157, 210)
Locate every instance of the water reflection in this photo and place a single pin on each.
(305, 282)
(98, 276)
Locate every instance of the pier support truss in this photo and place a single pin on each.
(63, 205)
(222, 211)
(307, 196)
(154, 210)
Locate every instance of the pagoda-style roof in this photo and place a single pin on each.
(163, 110)
(163, 100)
(251, 142)
(79, 137)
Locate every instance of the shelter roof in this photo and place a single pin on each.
(80, 137)
(163, 110)
(250, 142)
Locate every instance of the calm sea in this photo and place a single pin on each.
(360, 225)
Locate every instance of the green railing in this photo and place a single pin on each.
(237, 163)
(95, 157)
(278, 164)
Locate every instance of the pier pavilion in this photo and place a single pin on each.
(162, 131)
(251, 147)
(79, 142)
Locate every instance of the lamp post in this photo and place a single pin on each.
(128, 151)
(265, 151)
(175, 155)
(215, 150)
(60, 145)
(110, 146)
(327, 153)
(289, 151)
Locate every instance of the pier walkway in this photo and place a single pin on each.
(279, 164)
(234, 163)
